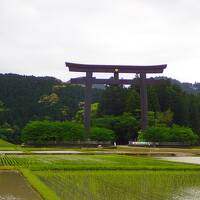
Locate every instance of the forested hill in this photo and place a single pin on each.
(24, 98)
(20, 95)
(188, 87)
(193, 88)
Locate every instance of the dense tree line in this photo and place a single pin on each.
(183, 107)
(28, 98)
(45, 132)
(175, 134)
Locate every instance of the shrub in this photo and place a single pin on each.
(154, 134)
(7, 132)
(176, 133)
(101, 134)
(183, 135)
(41, 132)
(79, 117)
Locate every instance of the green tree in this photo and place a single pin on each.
(160, 118)
(101, 134)
(113, 100)
(42, 132)
(175, 133)
(7, 131)
(124, 126)
(153, 101)
(133, 101)
(79, 117)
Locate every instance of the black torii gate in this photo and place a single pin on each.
(116, 69)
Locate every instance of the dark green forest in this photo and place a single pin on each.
(28, 98)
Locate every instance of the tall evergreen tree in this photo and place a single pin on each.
(113, 100)
(133, 101)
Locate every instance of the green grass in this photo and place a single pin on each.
(3, 143)
(99, 177)
(7, 167)
(107, 177)
(7, 146)
(124, 150)
(120, 149)
(43, 189)
(91, 162)
(118, 185)
(29, 149)
(158, 149)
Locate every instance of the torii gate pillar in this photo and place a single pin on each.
(144, 101)
(87, 106)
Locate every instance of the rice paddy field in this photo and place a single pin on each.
(122, 185)
(19, 189)
(106, 177)
(91, 162)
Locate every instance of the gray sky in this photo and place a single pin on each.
(38, 36)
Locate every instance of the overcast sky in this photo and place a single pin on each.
(38, 36)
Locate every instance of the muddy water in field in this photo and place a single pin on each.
(13, 186)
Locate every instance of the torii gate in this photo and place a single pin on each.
(116, 69)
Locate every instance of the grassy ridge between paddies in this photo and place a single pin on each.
(38, 185)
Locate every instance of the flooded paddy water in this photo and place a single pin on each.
(104, 184)
(184, 159)
(13, 186)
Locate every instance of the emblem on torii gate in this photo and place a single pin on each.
(88, 80)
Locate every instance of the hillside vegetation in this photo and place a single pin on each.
(28, 98)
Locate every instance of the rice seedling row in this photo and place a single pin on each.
(90, 162)
(117, 185)
(96, 177)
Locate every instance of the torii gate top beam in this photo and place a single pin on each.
(115, 68)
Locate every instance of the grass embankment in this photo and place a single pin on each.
(195, 151)
(7, 146)
(147, 150)
(38, 185)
